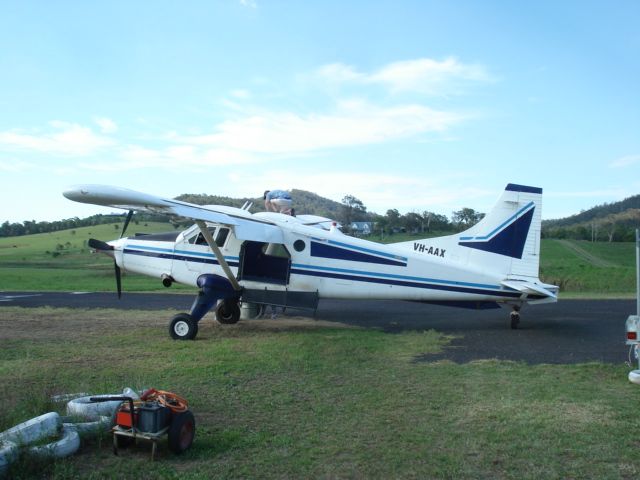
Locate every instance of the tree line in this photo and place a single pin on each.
(608, 222)
(353, 210)
(30, 227)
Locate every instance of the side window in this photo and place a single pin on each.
(221, 238)
(200, 240)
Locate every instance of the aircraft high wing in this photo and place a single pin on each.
(235, 256)
(245, 227)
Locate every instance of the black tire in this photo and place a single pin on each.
(515, 320)
(182, 431)
(228, 312)
(183, 327)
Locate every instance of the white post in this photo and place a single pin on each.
(638, 273)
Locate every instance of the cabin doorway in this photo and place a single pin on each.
(264, 262)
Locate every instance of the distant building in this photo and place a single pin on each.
(361, 228)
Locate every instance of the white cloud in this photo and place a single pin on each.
(106, 125)
(67, 139)
(249, 3)
(353, 123)
(625, 161)
(423, 75)
(254, 135)
(241, 93)
(341, 73)
(174, 157)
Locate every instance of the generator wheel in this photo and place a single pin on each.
(182, 431)
(120, 441)
(228, 312)
(183, 327)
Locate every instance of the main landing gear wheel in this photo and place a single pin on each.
(228, 312)
(183, 327)
(181, 431)
(515, 318)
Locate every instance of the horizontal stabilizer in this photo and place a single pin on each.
(529, 288)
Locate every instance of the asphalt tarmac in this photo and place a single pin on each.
(570, 331)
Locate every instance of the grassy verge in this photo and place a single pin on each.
(293, 398)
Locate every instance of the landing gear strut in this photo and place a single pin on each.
(213, 288)
(515, 317)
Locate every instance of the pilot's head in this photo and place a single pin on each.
(265, 194)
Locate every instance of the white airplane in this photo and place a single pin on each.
(269, 258)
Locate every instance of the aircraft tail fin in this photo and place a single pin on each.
(509, 235)
(505, 242)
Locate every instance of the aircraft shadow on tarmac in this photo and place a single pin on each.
(568, 332)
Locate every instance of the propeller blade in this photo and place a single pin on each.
(118, 279)
(99, 244)
(126, 223)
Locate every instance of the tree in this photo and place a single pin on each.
(435, 221)
(393, 219)
(413, 222)
(466, 218)
(352, 210)
(380, 225)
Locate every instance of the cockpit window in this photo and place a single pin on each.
(220, 238)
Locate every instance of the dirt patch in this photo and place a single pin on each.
(48, 323)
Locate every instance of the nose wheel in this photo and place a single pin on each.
(183, 327)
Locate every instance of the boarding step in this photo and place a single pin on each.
(282, 298)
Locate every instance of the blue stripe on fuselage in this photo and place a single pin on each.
(338, 273)
(389, 281)
(182, 255)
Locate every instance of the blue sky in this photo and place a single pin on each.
(425, 105)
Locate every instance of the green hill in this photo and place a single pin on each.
(611, 222)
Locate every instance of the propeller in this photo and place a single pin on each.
(126, 223)
(104, 247)
(118, 279)
(100, 245)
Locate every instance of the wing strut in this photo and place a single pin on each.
(216, 251)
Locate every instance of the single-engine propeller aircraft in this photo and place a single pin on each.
(235, 256)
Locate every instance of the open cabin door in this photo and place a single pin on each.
(264, 262)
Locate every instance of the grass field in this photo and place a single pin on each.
(595, 269)
(294, 398)
(61, 261)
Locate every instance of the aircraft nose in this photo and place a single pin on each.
(118, 244)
